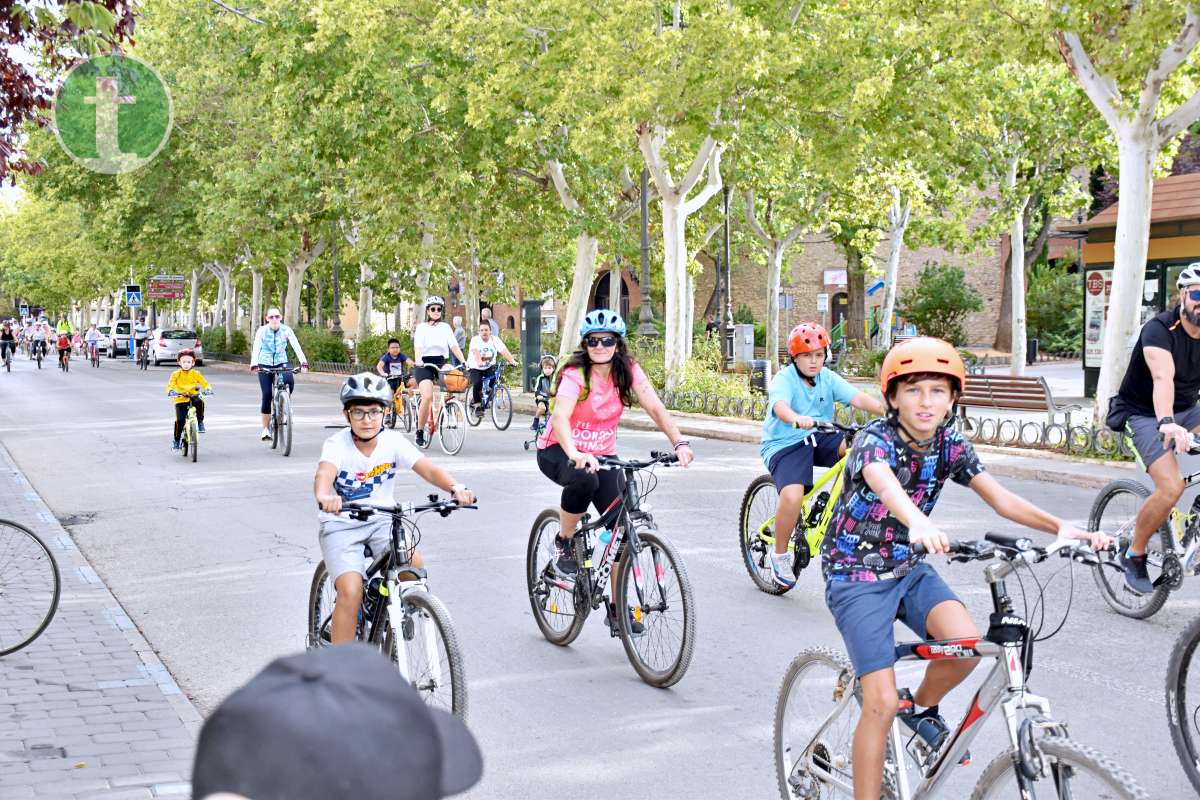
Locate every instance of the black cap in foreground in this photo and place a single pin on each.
(333, 722)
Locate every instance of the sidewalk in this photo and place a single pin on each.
(87, 710)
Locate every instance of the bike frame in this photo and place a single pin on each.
(487, 387)
(766, 531)
(1003, 687)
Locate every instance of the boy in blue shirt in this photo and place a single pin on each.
(798, 398)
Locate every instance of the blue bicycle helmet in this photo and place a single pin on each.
(602, 319)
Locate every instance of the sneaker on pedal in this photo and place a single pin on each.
(781, 568)
(202, 427)
(564, 564)
(175, 444)
(420, 438)
(265, 435)
(610, 614)
(1137, 579)
(931, 728)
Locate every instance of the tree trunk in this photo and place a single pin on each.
(614, 285)
(471, 305)
(321, 304)
(1129, 262)
(256, 298)
(296, 268)
(194, 300)
(775, 254)
(1017, 278)
(898, 222)
(675, 284)
(581, 286)
(231, 310)
(366, 298)
(856, 311)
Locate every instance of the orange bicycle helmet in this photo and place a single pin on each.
(922, 354)
(807, 337)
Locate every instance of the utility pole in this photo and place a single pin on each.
(646, 316)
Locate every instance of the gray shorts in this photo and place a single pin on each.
(343, 543)
(1146, 438)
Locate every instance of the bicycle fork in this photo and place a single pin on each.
(407, 630)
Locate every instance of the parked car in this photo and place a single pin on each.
(166, 344)
(105, 332)
(118, 338)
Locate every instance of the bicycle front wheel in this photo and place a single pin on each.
(452, 427)
(321, 596)
(474, 412)
(29, 587)
(557, 606)
(409, 415)
(1114, 512)
(502, 408)
(1183, 701)
(432, 654)
(1066, 770)
(276, 427)
(815, 716)
(654, 586)
(194, 434)
(757, 521)
(285, 421)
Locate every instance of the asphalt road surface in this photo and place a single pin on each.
(213, 562)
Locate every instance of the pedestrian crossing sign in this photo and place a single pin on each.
(133, 299)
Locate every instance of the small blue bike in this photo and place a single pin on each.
(496, 398)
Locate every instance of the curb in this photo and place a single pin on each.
(153, 667)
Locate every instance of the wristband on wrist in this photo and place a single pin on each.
(1167, 420)
(682, 443)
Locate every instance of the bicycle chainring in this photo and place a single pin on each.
(1172, 572)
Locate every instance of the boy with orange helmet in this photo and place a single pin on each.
(893, 477)
(797, 399)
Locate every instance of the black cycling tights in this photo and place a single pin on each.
(579, 487)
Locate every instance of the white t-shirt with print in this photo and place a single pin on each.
(487, 352)
(368, 479)
(433, 339)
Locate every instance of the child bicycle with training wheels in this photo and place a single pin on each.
(798, 399)
(185, 386)
(893, 477)
(360, 465)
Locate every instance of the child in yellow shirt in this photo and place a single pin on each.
(185, 386)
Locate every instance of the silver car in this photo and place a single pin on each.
(166, 344)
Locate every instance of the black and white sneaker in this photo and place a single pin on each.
(564, 564)
(421, 437)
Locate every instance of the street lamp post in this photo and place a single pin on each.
(727, 320)
(646, 315)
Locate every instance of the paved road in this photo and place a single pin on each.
(212, 561)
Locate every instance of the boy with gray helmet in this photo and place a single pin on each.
(360, 464)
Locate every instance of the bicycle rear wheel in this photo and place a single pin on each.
(29, 586)
(502, 410)
(452, 427)
(321, 596)
(1069, 771)
(558, 608)
(432, 654)
(812, 758)
(285, 419)
(1183, 701)
(1114, 513)
(655, 587)
(758, 514)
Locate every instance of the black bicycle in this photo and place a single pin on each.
(398, 613)
(655, 611)
(495, 398)
(8, 351)
(143, 354)
(281, 409)
(29, 586)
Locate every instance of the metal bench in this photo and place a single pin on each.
(1021, 394)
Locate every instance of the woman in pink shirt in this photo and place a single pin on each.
(594, 387)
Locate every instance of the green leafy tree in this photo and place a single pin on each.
(939, 302)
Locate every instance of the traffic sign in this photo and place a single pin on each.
(24, 310)
(133, 299)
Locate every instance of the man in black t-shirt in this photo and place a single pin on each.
(1157, 405)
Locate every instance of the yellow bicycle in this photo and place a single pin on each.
(756, 536)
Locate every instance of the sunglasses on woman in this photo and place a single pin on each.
(601, 341)
(438, 309)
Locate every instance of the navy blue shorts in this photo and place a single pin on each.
(794, 465)
(866, 610)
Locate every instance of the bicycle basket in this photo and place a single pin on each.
(455, 381)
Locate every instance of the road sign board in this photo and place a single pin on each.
(166, 287)
(24, 310)
(133, 299)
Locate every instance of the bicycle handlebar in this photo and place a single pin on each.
(656, 457)
(1015, 549)
(836, 427)
(273, 370)
(361, 511)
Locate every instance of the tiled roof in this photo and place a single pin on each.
(1175, 198)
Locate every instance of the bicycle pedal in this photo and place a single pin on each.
(907, 706)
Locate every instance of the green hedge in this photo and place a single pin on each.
(371, 348)
(213, 340)
(322, 345)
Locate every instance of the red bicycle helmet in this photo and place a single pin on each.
(807, 337)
